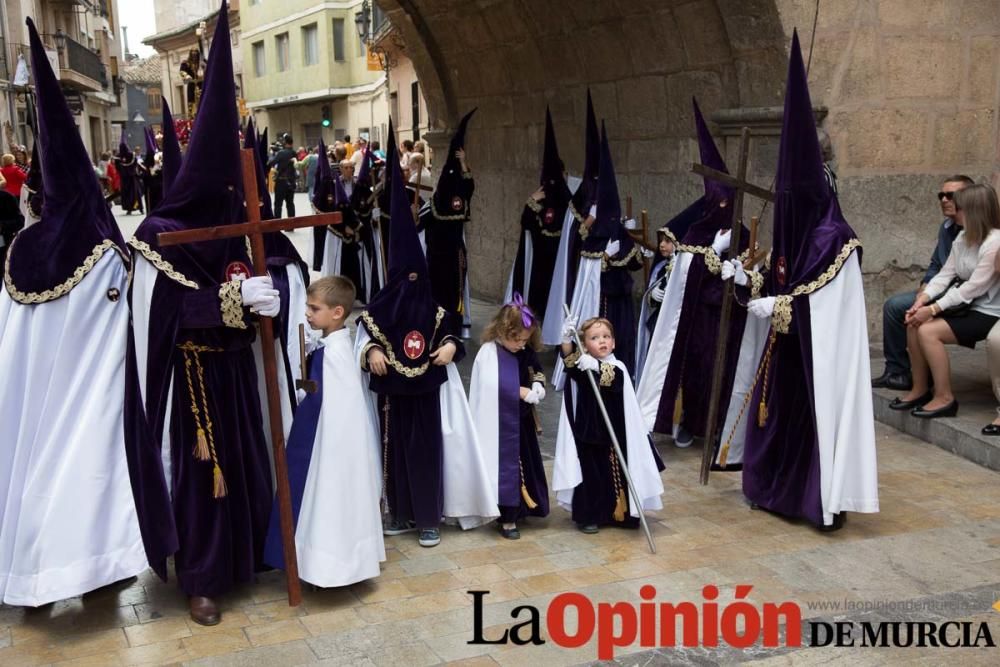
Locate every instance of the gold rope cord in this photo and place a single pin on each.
(204, 449)
(385, 458)
(524, 489)
(765, 363)
(620, 504)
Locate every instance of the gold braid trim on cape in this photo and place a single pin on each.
(781, 319)
(161, 264)
(64, 287)
(390, 354)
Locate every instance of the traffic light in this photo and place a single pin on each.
(327, 120)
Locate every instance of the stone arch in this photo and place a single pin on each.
(642, 60)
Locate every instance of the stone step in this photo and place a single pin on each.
(977, 407)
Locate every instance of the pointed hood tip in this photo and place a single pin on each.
(800, 158)
(405, 253)
(171, 149)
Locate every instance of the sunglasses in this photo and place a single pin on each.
(948, 196)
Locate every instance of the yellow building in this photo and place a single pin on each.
(304, 63)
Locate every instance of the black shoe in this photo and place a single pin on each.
(991, 429)
(949, 410)
(588, 529)
(510, 533)
(910, 405)
(838, 523)
(897, 381)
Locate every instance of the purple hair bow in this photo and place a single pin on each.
(527, 317)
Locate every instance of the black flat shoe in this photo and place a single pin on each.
(991, 429)
(510, 533)
(949, 410)
(910, 405)
(897, 381)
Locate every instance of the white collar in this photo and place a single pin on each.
(343, 332)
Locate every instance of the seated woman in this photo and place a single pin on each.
(959, 306)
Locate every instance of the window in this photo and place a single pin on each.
(281, 46)
(361, 47)
(338, 40)
(415, 101)
(258, 59)
(310, 45)
(153, 99)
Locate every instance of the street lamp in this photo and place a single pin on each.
(362, 20)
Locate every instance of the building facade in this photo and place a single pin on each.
(81, 41)
(142, 98)
(306, 64)
(175, 39)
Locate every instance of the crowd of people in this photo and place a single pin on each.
(172, 459)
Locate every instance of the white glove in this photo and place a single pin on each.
(762, 308)
(259, 296)
(538, 388)
(734, 268)
(630, 224)
(269, 309)
(721, 242)
(313, 338)
(647, 253)
(588, 363)
(612, 248)
(569, 329)
(657, 294)
(593, 211)
(532, 397)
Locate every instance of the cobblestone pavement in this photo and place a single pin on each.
(934, 550)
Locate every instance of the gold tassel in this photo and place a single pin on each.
(723, 454)
(201, 446)
(527, 498)
(219, 489)
(762, 414)
(679, 407)
(620, 506)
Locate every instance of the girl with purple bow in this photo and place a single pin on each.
(507, 384)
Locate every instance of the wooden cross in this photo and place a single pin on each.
(255, 230)
(740, 185)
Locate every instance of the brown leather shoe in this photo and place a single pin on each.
(204, 610)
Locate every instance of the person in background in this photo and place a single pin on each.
(897, 365)
(959, 306)
(405, 150)
(284, 178)
(12, 175)
(348, 146)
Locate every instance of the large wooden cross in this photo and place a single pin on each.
(255, 230)
(740, 185)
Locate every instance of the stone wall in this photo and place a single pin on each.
(910, 87)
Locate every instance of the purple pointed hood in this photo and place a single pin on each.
(278, 248)
(404, 308)
(809, 227)
(323, 191)
(208, 189)
(586, 194)
(171, 150)
(454, 189)
(715, 204)
(609, 208)
(149, 157)
(250, 141)
(75, 219)
(33, 183)
(557, 192)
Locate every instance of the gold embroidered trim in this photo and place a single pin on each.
(669, 234)
(607, 374)
(570, 359)
(608, 262)
(593, 255)
(364, 354)
(63, 288)
(756, 283)
(390, 354)
(538, 377)
(161, 264)
(232, 305)
(533, 205)
(467, 174)
(554, 234)
(712, 261)
(781, 318)
(459, 216)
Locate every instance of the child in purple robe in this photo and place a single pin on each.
(507, 384)
(587, 476)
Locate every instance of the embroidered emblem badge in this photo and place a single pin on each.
(414, 344)
(237, 271)
(456, 203)
(781, 271)
(550, 215)
(114, 294)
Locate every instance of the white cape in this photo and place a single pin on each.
(469, 498)
(845, 423)
(566, 474)
(338, 535)
(68, 522)
(586, 304)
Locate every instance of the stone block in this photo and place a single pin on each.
(654, 43)
(921, 67)
(601, 52)
(702, 33)
(863, 78)
(918, 13)
(706, 85)
(655, 156)
(981, 82)
(522, 62)
(506, 21)
(641, 102)
(978, 16)
(760, 79)
(751, 24)
(964, 138)
(561, 59)
(880, 138)
(799, 14)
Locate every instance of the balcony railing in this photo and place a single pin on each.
(5, 72)
(82, 60)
